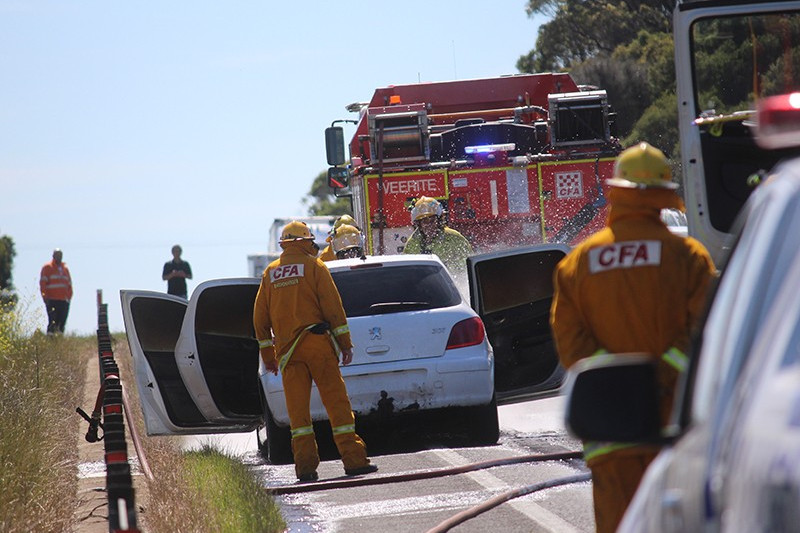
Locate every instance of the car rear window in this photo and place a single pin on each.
(397, 289)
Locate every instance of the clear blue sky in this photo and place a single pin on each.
(127, 127)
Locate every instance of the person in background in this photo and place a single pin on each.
(348, 242)
(432, 236)
(55, 284)
(301, 329)
(327, 253)
(176, 272)
(633, 286)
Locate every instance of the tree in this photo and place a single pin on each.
(321, 200)
(581, 29)
(622, 46)
(7, 253)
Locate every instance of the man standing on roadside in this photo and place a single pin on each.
(633, 286)
(301, 328)
(176, 272)
(55, 284)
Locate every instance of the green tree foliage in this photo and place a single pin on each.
(320, 200)
(658, 125)
(622, 46)
(582, 29)
(7, 254)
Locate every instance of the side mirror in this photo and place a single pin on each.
(334, 145)
(614, 398)
(338, 177)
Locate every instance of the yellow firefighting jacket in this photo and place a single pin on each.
(327, 253)
(632, 287)
(451, 247)
(297, 291)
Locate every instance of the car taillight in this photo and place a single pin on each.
(468, 332)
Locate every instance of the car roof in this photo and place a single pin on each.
(384, 260)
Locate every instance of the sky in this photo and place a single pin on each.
(127, 127)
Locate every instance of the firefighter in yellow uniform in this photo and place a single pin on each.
(327, 253)
(432, 236)
(631, 287)
(300, 326)
(348, 242)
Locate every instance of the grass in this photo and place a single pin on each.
(41, 382)
(225, 495)
(228, 487)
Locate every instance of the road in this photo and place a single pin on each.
(416, 506)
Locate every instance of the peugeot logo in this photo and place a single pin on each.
(374, 334)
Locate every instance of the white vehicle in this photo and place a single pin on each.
(418, 345)
(722, 164)
(731, 460)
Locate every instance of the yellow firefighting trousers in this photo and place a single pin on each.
(314, 359)
(615, 478)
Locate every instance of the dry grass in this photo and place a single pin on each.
(41, 382)
(223, 494)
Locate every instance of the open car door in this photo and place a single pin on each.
(196, 362)
(512, 291)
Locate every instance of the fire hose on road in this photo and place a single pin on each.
(467, 514)
(491, 503)
(426, 474)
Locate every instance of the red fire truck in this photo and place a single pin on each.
(515, 160)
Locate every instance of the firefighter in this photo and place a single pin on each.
(301, 328)
(348, 242)
(327, 253)
(55, 284)
(432, 236)
(631, 287)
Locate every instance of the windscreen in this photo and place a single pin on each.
(383, 290)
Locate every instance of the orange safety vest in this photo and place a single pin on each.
(55, 282)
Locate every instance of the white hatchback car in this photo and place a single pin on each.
(419, 346)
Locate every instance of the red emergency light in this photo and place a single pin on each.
(779, 121)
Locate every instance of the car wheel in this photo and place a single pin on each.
(278, 447)
(483, 427)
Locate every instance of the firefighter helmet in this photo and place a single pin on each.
(296, 231)
(642, 167)
(425, 206)
(347, 237)
(344, 219)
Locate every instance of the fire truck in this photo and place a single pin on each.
(515, 160)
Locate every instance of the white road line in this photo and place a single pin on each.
(532, 510)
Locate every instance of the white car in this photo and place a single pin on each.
(418, 345)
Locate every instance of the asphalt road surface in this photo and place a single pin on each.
(417, 506)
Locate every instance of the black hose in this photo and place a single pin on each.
(427, 474)
(491, 503)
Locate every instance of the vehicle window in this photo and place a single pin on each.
(383, 290)
(516, 280)
(738, 59)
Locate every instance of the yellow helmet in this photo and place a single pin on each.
(642, 167)
(347, 237)
(344, 219)
(296, 231)
(425, 206)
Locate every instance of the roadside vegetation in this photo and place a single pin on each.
(224, 494)
(41, 383)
